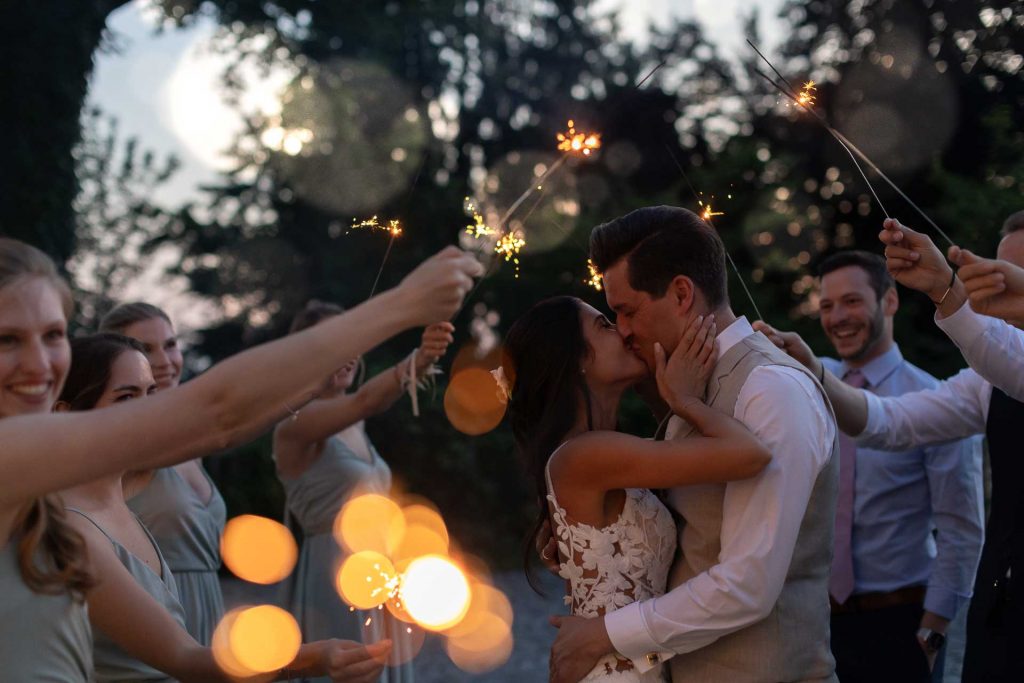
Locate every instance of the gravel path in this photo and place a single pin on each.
(532, 634)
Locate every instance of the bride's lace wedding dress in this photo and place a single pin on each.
(611, 567)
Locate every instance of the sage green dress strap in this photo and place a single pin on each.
(112, 663)
(43, 638)
(187, 530)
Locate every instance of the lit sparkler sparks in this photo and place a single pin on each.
(708, 213)
(392, 227)
(478, 228)
(576, 142)
(594, 279)
(508, 247)
(806, 97)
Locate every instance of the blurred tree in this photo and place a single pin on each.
(115, 216)
(46, 49)
(463, 98)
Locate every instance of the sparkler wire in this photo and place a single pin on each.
(849, 146)
(708, 220)
(832, 131)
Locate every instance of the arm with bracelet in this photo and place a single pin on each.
(297, 438)
(991, 346)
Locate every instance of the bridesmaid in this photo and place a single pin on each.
(323, 458)
(179, 505)
(139, 622)
(45, 633)
(44, 630)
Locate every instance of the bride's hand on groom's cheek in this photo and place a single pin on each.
(684, 375)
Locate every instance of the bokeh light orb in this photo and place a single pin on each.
(425, 534)
(254, 640)
(370, 522)
(485, 648)
(366, 579)
(258, 549)
(349, 137)
(471, 401)
(435, 592)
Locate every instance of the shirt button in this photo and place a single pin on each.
(652, 658)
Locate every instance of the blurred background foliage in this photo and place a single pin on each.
(405, 108)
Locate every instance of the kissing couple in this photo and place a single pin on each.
(746, 458)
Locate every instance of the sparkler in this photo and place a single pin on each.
(508, 247)
(478, 228)
(707, 214)
(807, 98)
(393, 227)
(594, 277)
(573, 141)
(806, 104)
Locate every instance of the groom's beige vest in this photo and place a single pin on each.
(792, 643)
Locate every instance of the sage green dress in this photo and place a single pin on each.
(314, 499)
(187, 530)
(43, 638)
(112, 663)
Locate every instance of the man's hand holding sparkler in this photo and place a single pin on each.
(915, 262)
(994, 287)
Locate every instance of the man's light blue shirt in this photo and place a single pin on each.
(900, 498)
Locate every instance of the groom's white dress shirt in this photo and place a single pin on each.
(761, 521)
(993, 348)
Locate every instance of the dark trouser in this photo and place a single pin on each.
(879, 646)
(995, 630)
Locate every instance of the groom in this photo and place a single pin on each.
(748, 594)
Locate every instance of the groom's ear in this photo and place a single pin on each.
(681, 292)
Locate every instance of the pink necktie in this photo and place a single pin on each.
(841, 582)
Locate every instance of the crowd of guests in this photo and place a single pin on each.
(112, 526)
(913, 552)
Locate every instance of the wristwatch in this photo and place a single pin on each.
(933, 640)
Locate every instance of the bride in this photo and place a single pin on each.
(564, 371)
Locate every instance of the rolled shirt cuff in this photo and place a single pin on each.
(964, 326)
(627, 629)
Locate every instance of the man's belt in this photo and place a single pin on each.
(870, 602)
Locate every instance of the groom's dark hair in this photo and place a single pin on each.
(659, 243)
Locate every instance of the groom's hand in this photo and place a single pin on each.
(580, 643)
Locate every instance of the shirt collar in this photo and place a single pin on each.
(878, 370)
(732, 335)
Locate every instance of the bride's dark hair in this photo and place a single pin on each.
(543, 362)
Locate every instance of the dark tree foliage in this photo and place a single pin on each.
(46, 53)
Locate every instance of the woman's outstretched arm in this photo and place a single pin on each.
(129, 616)
(324, 417)
(233, 402)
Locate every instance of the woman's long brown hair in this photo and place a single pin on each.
(51, 554)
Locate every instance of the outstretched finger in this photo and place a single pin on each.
(980, 296)
(708, 349)
(690, 334)
(975, 270)
(659, 360)
(963, 257)
(984, 282)
(700, 339)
